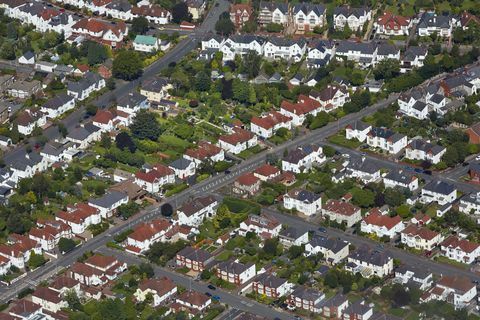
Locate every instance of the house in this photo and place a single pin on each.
(460, 250)
(332, 97)
(420, 238)
(307, 16)
(363, 53)
(263, 225)
(473, 133)
(183, 168)
(386, 51)
(468, 20)
(17, 251)
(24, 309)
(457, 290)
(27, 58)
(386, 140)
(247, 184)
(48, 299)
(333, 307)
(363, 170)
(413, 104)
(194, 212)
(235, 272)
(132, 103)
(292, 237)
(470, 204)
(392, 25)
(145, 43)
(413, 57)
(303, 201)
(333, 250)
(119, 9)
(204, 152)
(355, 18)
(401, 179)
(431, 23)
(162, 290)
(271, 286)
(64, 284)
(300, 110)
(272, 12)
(192, 302)
(413, 276)
(108, 203)
(111, 34)
(320, 53)
(303, 158)
(421, 219)
(90, 83)
(266, 172)
(266, 126)
(153, 13)
(146, 234)
(50, 233)
(196, 8)
(58, 105)
(193, 259)
(369, 262)
(440, 192)
(238, 141)
(419, 149)
(109, 265)
(357, 130)
(79, 217)
(24, 89)
(155, 89)
(240, 13)
(29, 119)
(382, 225)
(153, 179)
(305, 298)
(240, 45)
(342, 212)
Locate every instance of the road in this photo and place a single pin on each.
(403, 255)
(233, 300)
(184, 47)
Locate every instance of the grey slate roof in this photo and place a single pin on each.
(332, 244)
(419, 105)
(154, 84)
(363, 47)
(291, 233)
(359, 164)
(58, 101)
(429, 21)
(387, 49)
(269, 280)
(399, 176)
(306, 8)
(82, 133)
(193, 254)
(308, 294)
(180, 164)
(419, 272)
(420, 144)
(414, 51)
(437, 98)
(119, 5)
(359, 125)
(375, 257)
(108, 199)
(304, 195)
(233, 267)
(285, 42)
(247, 38)
(131, 100)
(348, 11)
(440, 187)
(23, 160)
(272, 6)
(386, 134)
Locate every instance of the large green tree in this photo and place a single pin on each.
(145, 126)
(127, 65)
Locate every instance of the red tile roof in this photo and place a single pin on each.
(101, 261)
(340, 207)
(382, 220)
(270, 120)
(424, 233)
(193, 298)
(247, 179)
(462, 244)
(267, 170)
(239, 136)
(145, 231)
(459, 283)
(150, 11)
(47, 294)
(203, 151)
(392, 22)
(103, 116)
(162, 286)
(158, 171)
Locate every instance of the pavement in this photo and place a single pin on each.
(237, 302)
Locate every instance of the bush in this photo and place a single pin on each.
(66, 245)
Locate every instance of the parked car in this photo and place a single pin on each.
(211, 287)
(208, 294)
(216, 298)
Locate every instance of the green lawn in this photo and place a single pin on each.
(224, 256)
(443, 259)
(250, 152)
(340, 139)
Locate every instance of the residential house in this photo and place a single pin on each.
(162, 290)
(307, 16)
(146, 234)
(333, 250)
(370, 262)
(27, 58)
(332, 97)
(468, 20)
(183, 168)
(247, 184)
(192, 302)
(363, 53)
(240, 13)
(300, 110)
(58, 105)
(29, 119)
(263, 225)
(292, 236)
(358, 310)
(155, 89)
(238, 141)
(193, 259)
(119, 9)
(108, 203)
(355, 18)
(154, 179)
(132, 103)
(90, 83)
(272, 12)
(382, 225)
(283, 48)
(438, 191)
(401, 179)
(333, 307)
(48, 299)
(320, 53)
(413, 104)
(392, 25)
(387, 51)
(470, 204)
(50, 233)
(413, 57)
(357, 130)
(235, 272)
(271, 286)
(419, 149)
(420, 238)
(415, 276)
(111, 34)
(473, 133)
(194, 212)
(24, 89)
(266, 126)
(303, 201)
(456, 290)
(17, 251)
(266, 172)
(196, 8)
(106, 264)
(342, 212)
(363, 170)
(241, 45)
(303, 158)
(305, 298)
(79, 217)
(386, 140)
(153, 13)
(145, 43)
(26, 165)
(63, 285)
(205, 152)
(460, 250)
(431, 23)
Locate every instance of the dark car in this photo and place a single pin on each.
(428, 172)
(228, 171)
(464, 164)
(418, 170)
(211, 287)
(208, 294)
(322, 229)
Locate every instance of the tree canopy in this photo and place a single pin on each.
(127, 65)
(145, 126)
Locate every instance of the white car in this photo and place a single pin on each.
(477, 158)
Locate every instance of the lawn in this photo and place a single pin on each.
(443, 259)
(224, 255)
(340, 140)
(250, 152)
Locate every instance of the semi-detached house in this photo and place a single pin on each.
(49, 299)
(153, 179)
(162, 290)
(401, 179)
(420, 238)
(58, 105)
(153, 13)
(272, 12)
(419, 149)
(355, 18)
(303, 201)
(237, 141)
(90, 83)
(370, 262)
(320, 53)
(271, 286)
(386, 140)
(303, 158)
(382, 225)
(300, 110)
(192, 302)
(111, 34)
(332, 97)
(193, 212)
(307, 16)
(342, 212)
(235, 272)
(108, 204)
(30, 119)
(333, 250)
(266, 172)
(264, 226)
(146, 234)
(204, 152)
(357, 130)
(439, 192)
(266, 126)
(79, 217)
(460, 250)
(306, 298)
(49, 233)
(456, 290)
(392, 25)
(292, 236)
(193, 259)
(363, 170)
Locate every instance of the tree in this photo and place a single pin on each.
(36, 260)
(180, 13)
(224, 26)
(128, 209)
(393, 197)
(124, 141)
(270, 246)
(139, 25)
(295, 252)
(363, 198)
(146, 269)
(73, 301)
(206, 274)
(127, 65)
(145, 126)
(202, 81)
(66, 245)
(387, 69)
(12, 31)
(251, 64)
(249, 26)
(331, 280)
(166, 210)
(274, 27)
(62, 129)
(7, 51)
(105, 141)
